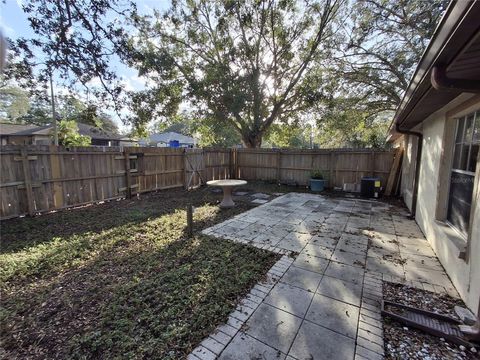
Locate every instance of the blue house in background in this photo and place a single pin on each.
(174, 143)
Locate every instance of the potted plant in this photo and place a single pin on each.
(317, 182)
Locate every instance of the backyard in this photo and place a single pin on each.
(121, 279)
(240, 180)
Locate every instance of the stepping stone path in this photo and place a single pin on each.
(259, 201)
(240, 193)
(261, 196)
(321, 300)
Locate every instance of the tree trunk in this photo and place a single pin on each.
(252, 140)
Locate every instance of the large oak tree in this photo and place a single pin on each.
(246, 63)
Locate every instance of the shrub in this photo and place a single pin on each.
(316, 175)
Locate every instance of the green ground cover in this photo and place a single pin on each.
(121, 279)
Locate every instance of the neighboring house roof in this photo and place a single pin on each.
(97, 133)
(453, 51)
(166, 137)
(30, 130)
(10, 129)
(126, 138)
(37, 130)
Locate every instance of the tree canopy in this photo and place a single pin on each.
(382, 47)
(246, 63)
(14, 103)
(77, 41)
(245, 70)
(20, 107)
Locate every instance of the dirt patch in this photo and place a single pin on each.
(402, 342)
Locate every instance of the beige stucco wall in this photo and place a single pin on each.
(408, 169)
(464, 275)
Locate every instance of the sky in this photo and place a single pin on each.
(14, 24)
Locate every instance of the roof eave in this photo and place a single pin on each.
(455, 16)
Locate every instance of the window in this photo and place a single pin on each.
(462, 177)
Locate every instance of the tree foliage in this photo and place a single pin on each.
(288, 136)
(77, 40)
(68, 134)
(212, 133)
(240, 67)
(382, 48)
(246, 63)
(14, 103)
(342, 123)
(19, 107)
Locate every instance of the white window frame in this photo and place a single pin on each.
(463, 117)
(462, 242)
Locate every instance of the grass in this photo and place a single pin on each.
(122, 279)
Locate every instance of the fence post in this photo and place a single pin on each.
(331, 169)
(190, 220)
(279, 162)
(128, 178)
(28, 181)
(372, 162)
(231, 163)
(185, 175)
(56, 174)
(235, 163)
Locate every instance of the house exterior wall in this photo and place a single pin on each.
(104, 142)
(410, 144)
(17, 140)
(128, 143)
(446, 243)
(42, 140)
(26, 140)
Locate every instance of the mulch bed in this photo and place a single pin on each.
(402, 342)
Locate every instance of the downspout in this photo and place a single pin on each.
(417, 165)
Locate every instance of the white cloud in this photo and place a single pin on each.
(135, 83)
(95, 82)
(6, 30)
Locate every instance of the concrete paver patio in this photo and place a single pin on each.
(324, 301)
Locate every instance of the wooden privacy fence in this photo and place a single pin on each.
(339, 166)
(40, 178)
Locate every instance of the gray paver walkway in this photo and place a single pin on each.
(323, 302)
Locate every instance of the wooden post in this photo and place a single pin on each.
(55, 168)
(231, 163)
(185, 174)
(28, 182)
(237, 175)
(128, 176)
(190, 220)
(394, 172)
(372, 164)
(279, 163)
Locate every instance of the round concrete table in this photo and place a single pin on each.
(227, 187)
